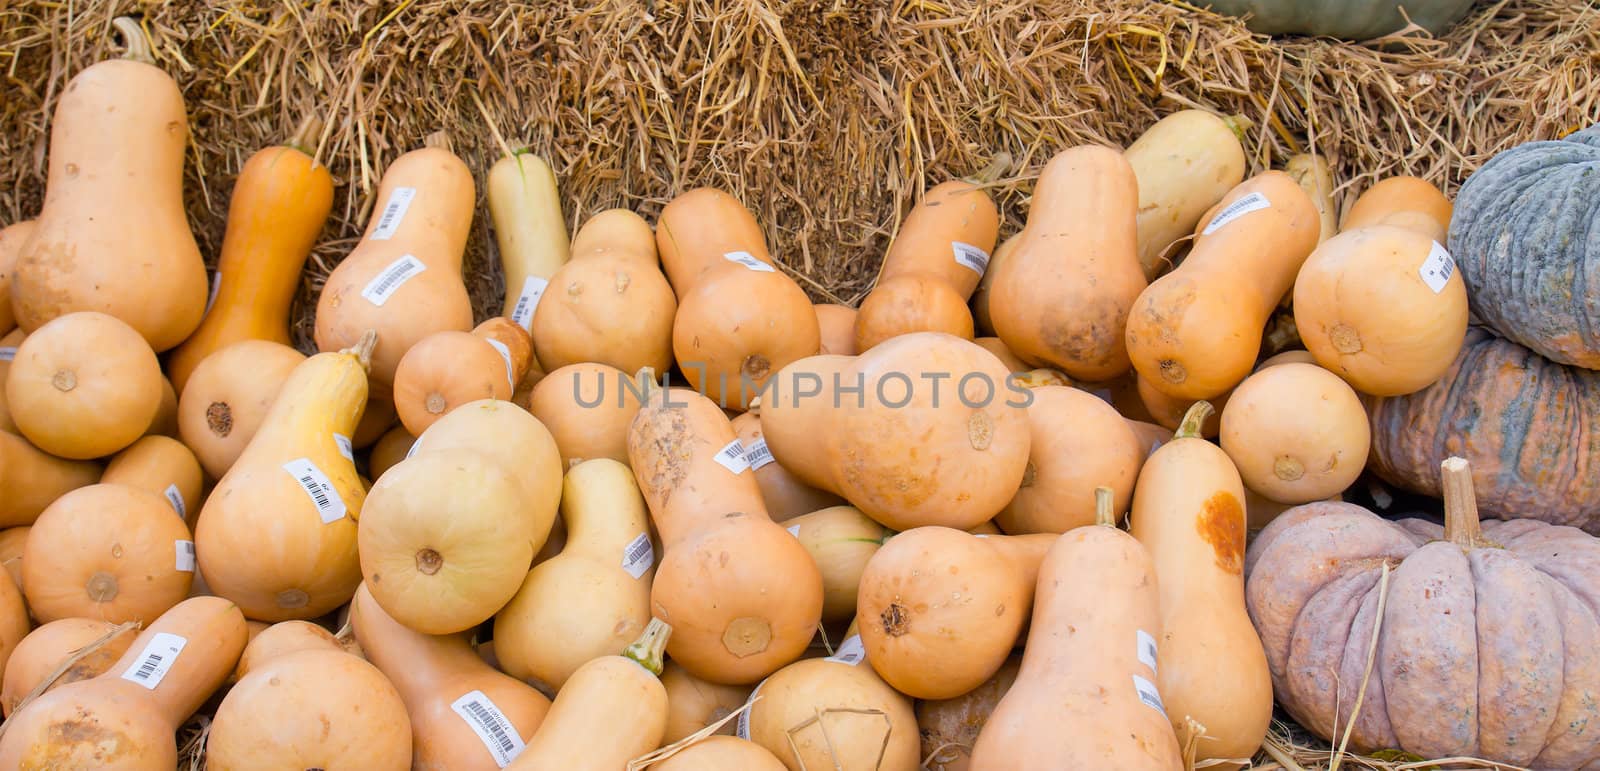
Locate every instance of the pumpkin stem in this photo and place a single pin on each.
(1194, 420)
(138, 43)
(649, 649)
(1239, 125)
(1460, 505)
(439, 140)
(992, 172)
(304, 137)
(1103, 514)
(363, 348)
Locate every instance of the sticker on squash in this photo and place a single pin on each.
(1438, 268)
(390, 279)
(749, 261)
(1148, 694)
(639, 555)
(415, 443)
(486, 720)
(758, 454)
(175, 498)
(742, 726)
(1147, 650)
(532, 290)
(318, 488)
(345, 449)
(732, 457)
(216, 285)
(970, 256)
(7, 353)
(155, 660)
(505, 354)
(185, 550)
(1250, 203)
(394, 212)
(851, 651)
(794, 530)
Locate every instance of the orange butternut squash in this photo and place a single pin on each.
(1296, 433)
(1184, 163)
(165, 422)
(588, 408)
(693, 704)
(982, 323)
(389, 450)
(448, 369)
(227, 398)
(786, 497)
(376, 420)
(270, 641)
(911, 302)
(46, 648)
(528, 227)
(33, 479)
(14, 621)
(833, 713)
(520, 444)
(1078, 443)
(83, 386)
(1403, 201)
(12, 238)
(117, 139)
(278, 207)
(163, 466)
(998, 347)
(1314, 177)
(836, 327)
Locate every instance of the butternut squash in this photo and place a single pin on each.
(165, 422)
(739, 319)
(1061, 299)
(33, 479)
(518, 443)
(759, 608)
(464, 714)
(12, 541)
(389, 450)
(84, 385)
(117, 139)
(785, 496)
(1184, 163)
(8, 353)
(612, 710)
(271, 641)
(12, 239)
(278, 207)
(1151, 437)
(1188, 510)
(226, 399)
(1168, 411)
(950, 726)
(588, 408)
(721, 753)
(982, 322)
(1086, 694)
(1078, 442)
(608, 561)
(911, 302)
(1406, 202)
(529, 229)
(833, 713)
(1296, 433)
(610, 304)
(926, 582)
(309, 705)
(1196, 331)
(841, 540)
(836, 328)
(693, 704)
(162, 466)
(404, 278)
(277, 535)
(1311, 172)
(449, 368)
(14, 622)
(44, 649)
(126, 718)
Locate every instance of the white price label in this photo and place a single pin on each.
(1235, 210)
(386, 283)
(1437, 269)
(486, 720)
(970, 256)
(175, 498)
(318, 487)
(8, 352)
(1148, 694)
(216, 284)
(505, 355)
(156, 660)
(758, 454)
(345, 448)
(532, 291)
(393, 212)
(851, 651)
(794, 530)
(185, 555)
(731, 456)
(749, 261)
(638, 556)
(1147, 650)
(742, 725)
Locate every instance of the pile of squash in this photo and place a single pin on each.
(667, 512)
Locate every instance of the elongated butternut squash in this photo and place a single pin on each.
(404, 278)
(1185, 162)
(1061, 298)
(930, 580)
(693, 704)
(127, 717)
(1403, 201)
(12, 238)
(1086, 695)
(464, 714)
(1196, 331)
(227, 397)
(515, 441)
(608, 560)
(33, 479)
(112, 236)
(1078, 443)
(786, 497)
(280, 202)
(529, 228)
(612, 710)
(758, 609)
(610, 304)
(841, 541)
(38, 655)
(833, 713)
(83, 386)
(448, 369)
(163, 466)
(739, 319)
(1188, 510)
(277, 535)
(982, 323)
(836, 325)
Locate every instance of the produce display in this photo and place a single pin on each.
(1069, 496)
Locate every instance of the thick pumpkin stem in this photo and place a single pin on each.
(362, 350)
(992, 172)
(650, 648)
(439, 140)
(138, 43)
(1194, 420)
(304, 137)
(1460, 505)
(1103, 513)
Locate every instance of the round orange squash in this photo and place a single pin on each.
(46, 648)
(163, 466)
(84, 385)
(448, 369)
(588, 408)
(1296, 432)
(827, 713)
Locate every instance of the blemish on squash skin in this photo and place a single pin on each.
(1221, 524)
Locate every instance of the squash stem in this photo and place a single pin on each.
(439, 140)
(362, 350)
(138, 43)
(992, 172)
(1103, 514)
(1194, 420)
(649, 650)
(1460, 505)
(304, 137)
(1239, 125)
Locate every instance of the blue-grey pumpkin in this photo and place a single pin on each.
(1351, 19)
(1526, 235)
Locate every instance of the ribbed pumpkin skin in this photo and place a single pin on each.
(1524, 423)
(1352, 19)
(1524, 235)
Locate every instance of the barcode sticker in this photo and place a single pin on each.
(851, 651)
(1437, 269)
(794, 530)
(345, 449)
(387, 282)
(216, 284)
(758, 454)
(1147, 650)
(8, 352)
(175, 498)
(532, 290)
(731, 456)
(185, 555)
(1235, 210)
(486, 720)
(970, 256)
(157, 658)
(393, 212)
(638, 556)
(505, 353)
(749, 261)
(317, 485)
(1148, 694)
(742, 726)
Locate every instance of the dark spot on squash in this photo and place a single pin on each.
(1221, 524)
(896, 621)
(219, 418)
